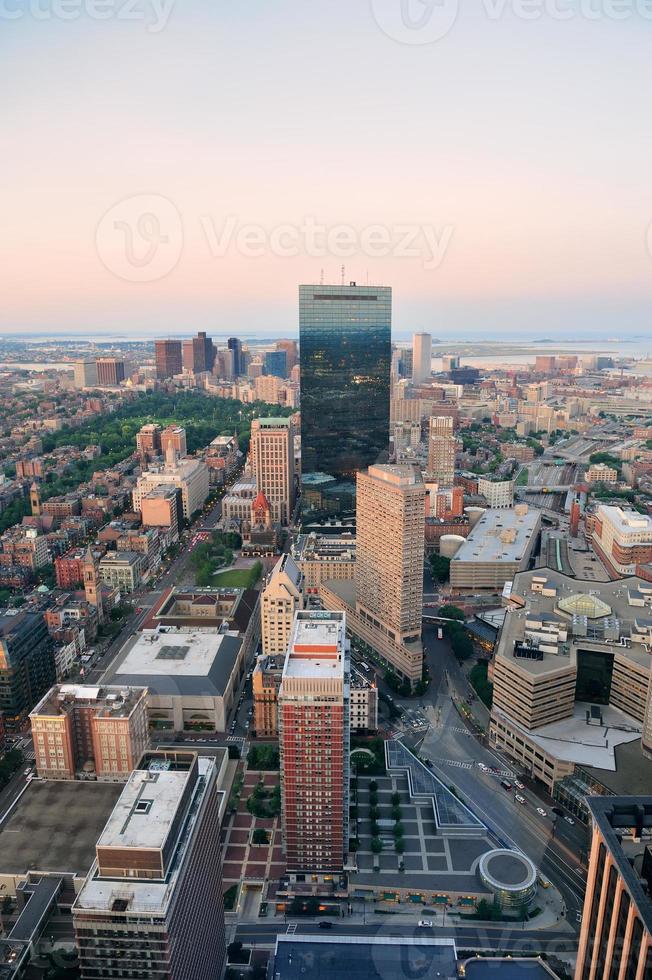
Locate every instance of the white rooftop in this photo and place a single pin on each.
(143, 896)
(145, 811)
(626, 520)
(485, 541)
(173, 653)
(572, 740)
(317, 646)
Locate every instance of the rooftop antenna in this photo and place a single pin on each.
(343, 274)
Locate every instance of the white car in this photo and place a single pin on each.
(542, 811)
(520, 799)
(518, 784)
(425, 923)
(482, 766)
(570, 821)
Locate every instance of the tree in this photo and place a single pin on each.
(398, 830)
(452, 612)
(395, 798)
(259, 836)
(399, 845)
(440, 567)
(376, 845)
(397, 813)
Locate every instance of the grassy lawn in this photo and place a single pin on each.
(523, 477)
(241, 578)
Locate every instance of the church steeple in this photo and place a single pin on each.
(35, 499)
(92, 583)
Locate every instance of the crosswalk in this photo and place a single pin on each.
(466, 764)
(292, 928)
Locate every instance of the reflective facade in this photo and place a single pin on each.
(345, 336)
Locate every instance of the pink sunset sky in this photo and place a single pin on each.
(158, 176)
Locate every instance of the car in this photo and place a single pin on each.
(519, 784)
(570, 821)
(558, 811)
(520, 799)
(482, 766)
(325, 925)
(28, 771)
(425, 923)
(542, 811)
(505, 784)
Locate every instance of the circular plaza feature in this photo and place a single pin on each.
(510, 876)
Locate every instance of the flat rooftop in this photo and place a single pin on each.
(324, 547)
(139, 894)
(490, 539)
(621, 604)
(182, 662)
(55, 825)
(626, 521)
(117, 702)
(363, 958)
(317, 646)
(400, 476)
(572, 740)
(145, 812)
(487, 968)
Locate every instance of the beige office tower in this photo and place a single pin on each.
(421, 357)
(272, 457)
(391, 508)
(442, 447)
(280, 600)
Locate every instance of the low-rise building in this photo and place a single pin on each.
(162, 507)
(621, 538)
(498, 493)
(265, 682)
(601, 473)
(324, 556)
(80, 731)
(280, 599)
(190, 476)
(124, 570)
(497, 547)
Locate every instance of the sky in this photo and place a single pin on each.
(172, 165)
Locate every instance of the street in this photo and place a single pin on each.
(513, 939)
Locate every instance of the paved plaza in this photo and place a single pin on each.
(432, 860)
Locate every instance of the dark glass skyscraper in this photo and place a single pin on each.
(345, 356)
(235, 346)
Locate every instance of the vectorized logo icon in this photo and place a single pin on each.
(140, 239)
(415, 21)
